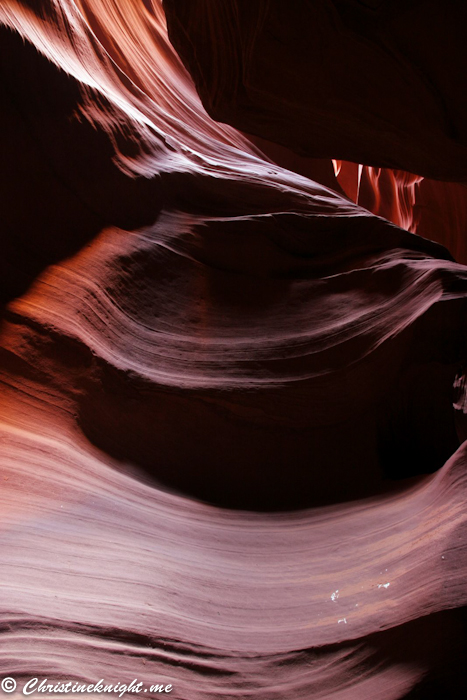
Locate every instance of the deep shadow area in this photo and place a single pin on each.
(59, 184)
(379, 83)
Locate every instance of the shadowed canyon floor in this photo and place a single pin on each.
(233, 395)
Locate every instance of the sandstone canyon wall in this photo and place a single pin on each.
(232, 347)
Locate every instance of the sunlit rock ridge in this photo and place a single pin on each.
(232, 410)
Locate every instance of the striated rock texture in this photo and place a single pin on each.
(232, 408)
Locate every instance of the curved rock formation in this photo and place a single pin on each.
(230, 457)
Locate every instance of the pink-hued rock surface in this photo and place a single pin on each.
(233, 393)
